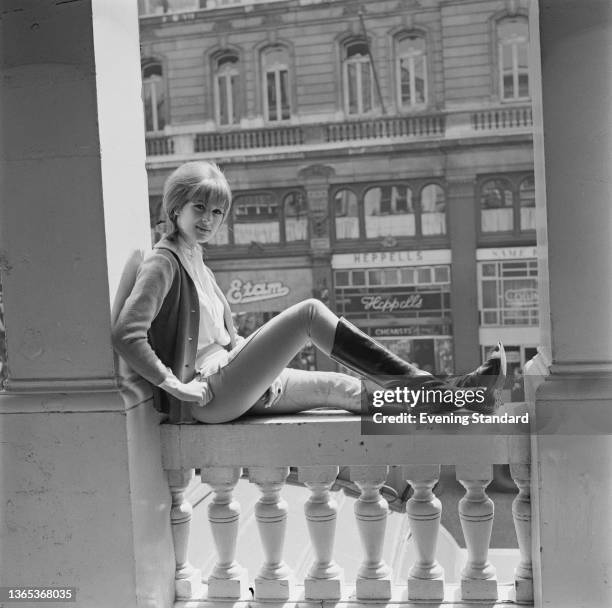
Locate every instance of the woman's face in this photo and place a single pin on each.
(198, 221)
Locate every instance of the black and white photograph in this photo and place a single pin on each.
(305, 303)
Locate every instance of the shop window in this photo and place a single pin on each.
(275, 63)
(441, 274)
(389, 212)
(508, 293)
(433, 210)
(513, 50)
(346, 215)
(256, 219)
(496, 203)
(227, 88)
(153, 95)
(411, 71)
(358, 79)
(296, 217)
(527, 202)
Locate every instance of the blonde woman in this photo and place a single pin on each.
(175, 329)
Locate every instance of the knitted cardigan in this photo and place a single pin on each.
(157, 328)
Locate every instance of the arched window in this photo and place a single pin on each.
(227, 88)
(411, 71)
(275, 68)
(256, 219)
(513, 45)
(296, 217)
(496, 206)
(357, 76)
(433, 210)
(346, 215)
(527, 201)
(153, 95)
(389, 212)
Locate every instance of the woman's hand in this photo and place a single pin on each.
(196, 392)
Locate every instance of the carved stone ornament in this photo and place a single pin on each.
(314, 171)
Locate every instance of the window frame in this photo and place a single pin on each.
(514, 181)
(276, 69)
(234, 106)
(157, 84)
(498, 68)
(357, 61)
(397, 39)
(417, 186)
(279, 197)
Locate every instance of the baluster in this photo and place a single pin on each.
(426, 577)
(521, 513)
(371, 509)
(187, 579)
(275, 580)
(324, 579)
(476, 509)
(228, 579)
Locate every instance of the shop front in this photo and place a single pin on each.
(256, 296)
(401, 298)
(508, 308)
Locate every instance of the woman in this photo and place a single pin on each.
(175, 329)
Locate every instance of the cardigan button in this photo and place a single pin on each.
(190, 339)
(193, 311)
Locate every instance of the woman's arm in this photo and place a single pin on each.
(130, 331)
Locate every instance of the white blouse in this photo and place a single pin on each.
(212, 336)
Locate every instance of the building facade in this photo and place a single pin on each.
(380, 154)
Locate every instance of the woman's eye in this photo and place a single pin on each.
(217, 212)
(199, 207)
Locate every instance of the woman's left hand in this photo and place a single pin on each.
(274, 392)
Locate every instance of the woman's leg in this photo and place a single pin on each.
(304, 390)
(238, 385)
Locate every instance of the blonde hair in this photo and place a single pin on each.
(197, 180)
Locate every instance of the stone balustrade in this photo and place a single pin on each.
(318, 443)
(367, 131)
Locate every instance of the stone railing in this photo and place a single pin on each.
(318, 444)
(372, 131)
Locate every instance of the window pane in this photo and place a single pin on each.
(489, 294)
(235, 116)
(359, 277)
(352, 88)
(256, 218)
(346, 215)
(419, 80)
(441, 274)
(408, 276)
(342, 278)
(405, 81)
(390, 276)
(388, 211)
(375, 277)
(366, 86)
(222, 83)
(424, 275)
(271, 90)
(433, 210)
(296, 217)
(284, 87)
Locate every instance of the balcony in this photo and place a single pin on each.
(383, 130)
(318, 443)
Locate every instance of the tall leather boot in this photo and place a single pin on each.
(360, 353)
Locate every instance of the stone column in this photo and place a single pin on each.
(85, 502)
(464, 288)
(572, 486)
